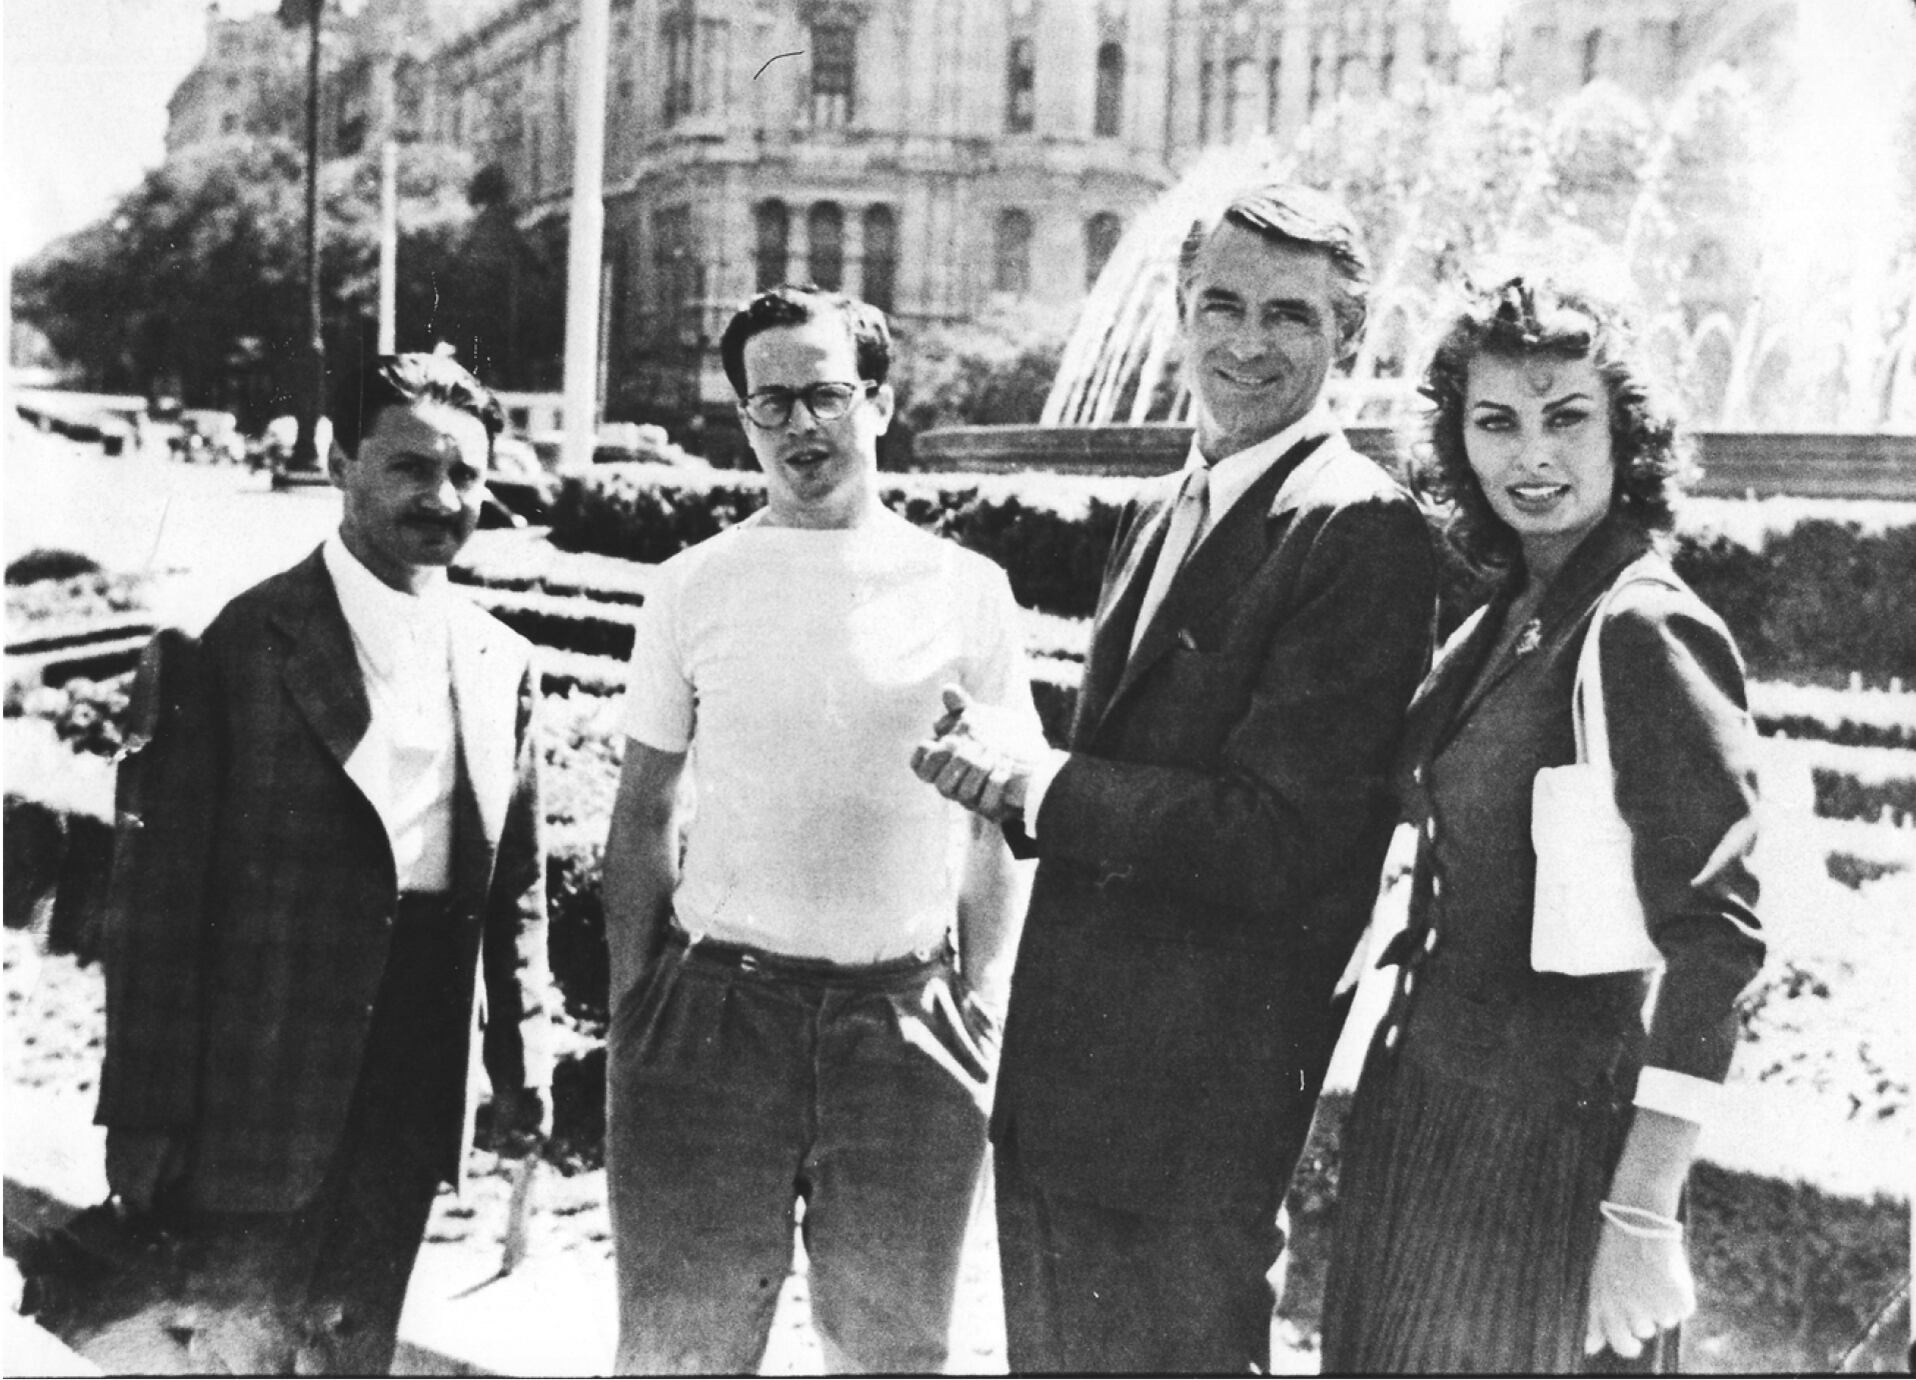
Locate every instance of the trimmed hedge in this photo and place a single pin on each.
(565, 624)
(1049, 533)
(1809, 589)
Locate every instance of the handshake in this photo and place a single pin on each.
(982, 757)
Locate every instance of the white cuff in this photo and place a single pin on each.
(1681, 1095)
(1043, 772)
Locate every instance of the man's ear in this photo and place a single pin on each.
(1350, 332)
(336, 462)
(885, 404)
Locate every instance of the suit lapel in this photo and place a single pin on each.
(1118, 617)
(1237, 545)
(1589, 572)
(322, 671)
(485, 694)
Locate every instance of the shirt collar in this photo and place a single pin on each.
(1236, 472)
(386, 624)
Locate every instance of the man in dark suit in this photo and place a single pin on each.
(328, 896)
(1210, 845)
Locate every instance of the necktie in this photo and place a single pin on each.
(1187, 522)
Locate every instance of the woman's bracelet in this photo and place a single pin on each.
(1636, 1221)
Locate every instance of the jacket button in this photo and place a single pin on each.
(1410, 980)
(1436, 887)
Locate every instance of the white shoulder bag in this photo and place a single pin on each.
(1588, 918)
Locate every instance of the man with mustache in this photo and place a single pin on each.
(328, 900)
(805, 993)
(1208, 849)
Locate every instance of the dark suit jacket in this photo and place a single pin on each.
(254, 889)
(1683, 749)
(1210, 852)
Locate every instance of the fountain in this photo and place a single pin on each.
(1777, 265)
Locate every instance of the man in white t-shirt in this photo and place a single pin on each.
(806, 997)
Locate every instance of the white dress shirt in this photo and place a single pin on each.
(407, 764)
(1229, 478)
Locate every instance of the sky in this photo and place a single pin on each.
(86, 84)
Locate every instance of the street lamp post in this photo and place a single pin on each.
(306, 448)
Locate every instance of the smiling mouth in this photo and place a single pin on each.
(1237, 380)
(806, 459)
(1537, 495)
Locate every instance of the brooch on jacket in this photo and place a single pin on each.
(1529, 638)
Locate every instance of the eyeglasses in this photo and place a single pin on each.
(828, 402)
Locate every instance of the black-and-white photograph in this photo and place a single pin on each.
(818, 687)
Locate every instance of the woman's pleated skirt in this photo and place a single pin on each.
(1466, 1224)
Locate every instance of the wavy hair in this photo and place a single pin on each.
(1522, 318)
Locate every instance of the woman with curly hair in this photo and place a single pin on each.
(1512, 1182)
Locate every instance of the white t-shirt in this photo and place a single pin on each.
(800, 667)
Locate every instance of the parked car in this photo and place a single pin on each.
(519, 481)
(277, 444)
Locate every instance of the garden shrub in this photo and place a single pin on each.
(49, 563)
(1050, 534)
(1806, 594)
(563, 624)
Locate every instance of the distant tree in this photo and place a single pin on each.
(193, 284)
(991, 372)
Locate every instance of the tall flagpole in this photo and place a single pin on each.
(587, 244)
(388, 247)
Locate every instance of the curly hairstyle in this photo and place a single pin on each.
(1519, 318)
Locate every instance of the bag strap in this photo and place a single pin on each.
(1587, 714)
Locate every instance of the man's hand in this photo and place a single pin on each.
(142, 1163)
(521, 1119)
(979, 756)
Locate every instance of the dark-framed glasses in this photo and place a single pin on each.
(828, 402)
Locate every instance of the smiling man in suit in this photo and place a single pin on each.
(1209, 846)
(328, 896)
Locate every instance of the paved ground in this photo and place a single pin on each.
(222, 526)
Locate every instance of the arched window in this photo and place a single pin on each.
(825, 232)
(1012, 259)
(881, 257)
(1021, 87)
(1109, 112)
(1100, 238)
(771, 224)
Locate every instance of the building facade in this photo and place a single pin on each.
(940, 158)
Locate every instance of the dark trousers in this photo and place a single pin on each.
(1096, 1289)
(322, 1288)
(740, 1082)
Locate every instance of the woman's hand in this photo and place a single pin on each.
(1638, 1287)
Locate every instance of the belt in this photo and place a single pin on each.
(416, 906)
(746, 959)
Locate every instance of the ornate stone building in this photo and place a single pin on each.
(939, 157)
(252, 76)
